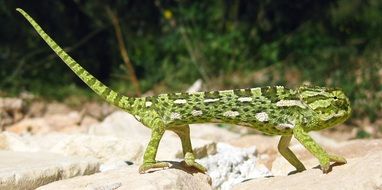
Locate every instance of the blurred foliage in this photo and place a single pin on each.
(172, 43)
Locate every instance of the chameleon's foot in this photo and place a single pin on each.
(189, 159)
(337, 159)
(325, 165)
(147, 166)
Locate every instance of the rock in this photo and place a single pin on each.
(11, 111)
(57, 108)
(14, 142)
(212, 132)
(36, 109)
(129, 178)
(263, 143)
(98, 110)
(102, 148)
(41, 125)
(363, 171)
(121, 124)
(232, 165)
(88, 121)
(27, 170)
(197, 86)
(11, 104)
(30, 125)
(64, 122)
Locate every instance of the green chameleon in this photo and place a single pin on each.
(271, 110)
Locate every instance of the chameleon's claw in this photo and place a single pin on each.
(147, 166)
(325, 165)
(189, 159)
(325, 168)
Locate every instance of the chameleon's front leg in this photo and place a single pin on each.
(149, 161)
(189, 158)
(317, 151)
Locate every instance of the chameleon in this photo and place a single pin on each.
(272, 110)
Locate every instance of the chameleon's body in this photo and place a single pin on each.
(271, 110)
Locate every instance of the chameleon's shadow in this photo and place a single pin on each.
(319, 168)
(179, 166)
(331, 166)
(296, 172)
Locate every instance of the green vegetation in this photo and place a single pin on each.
(228, 44)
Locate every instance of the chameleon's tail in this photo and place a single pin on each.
(109, 95)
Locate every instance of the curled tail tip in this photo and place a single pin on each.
(20, 10)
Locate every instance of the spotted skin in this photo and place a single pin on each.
(272, 110)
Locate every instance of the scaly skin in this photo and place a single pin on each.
(271, 110)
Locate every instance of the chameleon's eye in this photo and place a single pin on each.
(335, 97)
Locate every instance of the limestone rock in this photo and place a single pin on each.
(56, 108)
(197, 86)
(88, 121)
(11, 104)
(42, 125)
(27, 170)
(98, 110)
(11, 111)
(36, 109)
(64, 122)
(30, 125)
(14, 142)
(99, 147)
(232, 165)
(121, 124)
(212, 132)
(129, 178)
(363, 171)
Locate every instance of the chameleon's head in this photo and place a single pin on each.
(330, 104)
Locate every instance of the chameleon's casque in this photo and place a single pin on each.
(271, 110)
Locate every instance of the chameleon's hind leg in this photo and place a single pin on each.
(149, 161)
(317, 151)
(189, 158)
(288, 154)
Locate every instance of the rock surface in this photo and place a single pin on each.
(129, 178)
(101, 148)
(232, 165)
(363, 171)
(27, 170)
